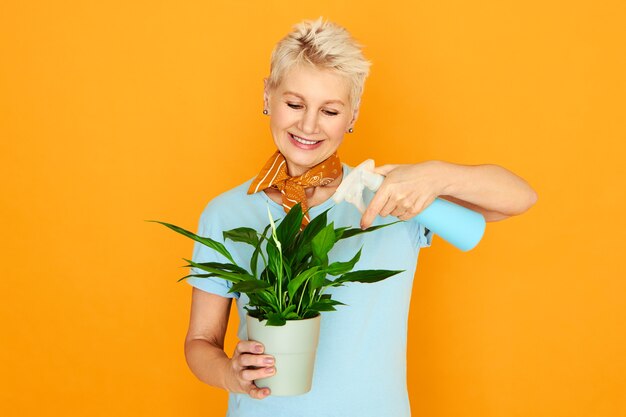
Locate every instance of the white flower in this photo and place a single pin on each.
(273, 229)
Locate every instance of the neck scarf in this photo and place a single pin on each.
(274, 174)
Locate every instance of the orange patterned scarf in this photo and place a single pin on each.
(274, 174)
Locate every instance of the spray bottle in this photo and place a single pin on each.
(455, 224)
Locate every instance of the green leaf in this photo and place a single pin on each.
(326, 305)
(357, 231)
(335, 302)
(287, 267)
(242, 234)
(288, 310)
(368, 276)
(275, 319)
(339, 232)
(292, 316)
(269, 298)
(273, 258)
(295, 283)
(319, 281)
(323, 305)
(254, 260)
(250, 286)
(303, 252)
(196, 276)
(255, 255)
(306, 299)
(309, 314)
(217, 246)
(224, 267)
(314, 227)
(322, 243)
(231, 276)
(272, 250)
(289, 226)
(338, 268)
(267, 276)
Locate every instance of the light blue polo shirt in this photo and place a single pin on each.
(360, 367)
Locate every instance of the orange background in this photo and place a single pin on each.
(115, 112)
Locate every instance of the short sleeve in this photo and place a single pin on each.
(425, 236)
(421, 236)
(202, 253)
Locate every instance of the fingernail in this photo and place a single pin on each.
(269, 361)
(269, 370)
(258, 348)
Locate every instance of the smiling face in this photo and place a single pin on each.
(309, 114)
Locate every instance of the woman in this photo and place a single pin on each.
(312, 98)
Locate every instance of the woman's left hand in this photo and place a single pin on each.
(406, 191)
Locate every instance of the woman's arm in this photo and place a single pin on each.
(490, 189)
(204, 349)
(204, 343)
(489, 215)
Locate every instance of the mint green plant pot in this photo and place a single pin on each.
(293, 346)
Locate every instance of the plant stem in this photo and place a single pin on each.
(302, 296)
(261, 252)
(264, 260)
(280, 280)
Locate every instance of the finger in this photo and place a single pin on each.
(258, 393)
(249, 346)
(404, 208)
(407, 208)
(385, 169)
(408, 214)
(252, 374)
(405, 216)
(377, 203)
(398, 211)
(422, 204)
(256, 360)
(389, 207)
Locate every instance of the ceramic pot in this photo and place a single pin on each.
(293, 346)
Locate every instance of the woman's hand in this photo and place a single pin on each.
(406, 191)
(246, 365)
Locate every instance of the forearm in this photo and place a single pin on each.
(489, 186)
(209, 363)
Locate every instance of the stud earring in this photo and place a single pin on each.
(350, 130)
(265, 111)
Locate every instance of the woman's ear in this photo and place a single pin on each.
(266, 95)
(355, 115)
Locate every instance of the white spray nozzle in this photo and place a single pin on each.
(352, 186)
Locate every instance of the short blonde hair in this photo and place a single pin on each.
(325, 45)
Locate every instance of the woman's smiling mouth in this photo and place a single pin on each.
(304, 143)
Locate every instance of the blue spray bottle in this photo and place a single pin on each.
(455, 224)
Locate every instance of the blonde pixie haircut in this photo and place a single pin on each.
(325, 45)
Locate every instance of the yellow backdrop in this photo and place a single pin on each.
(119, 111)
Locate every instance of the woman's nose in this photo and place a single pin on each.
(308, 122)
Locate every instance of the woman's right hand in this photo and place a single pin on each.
(247, 364)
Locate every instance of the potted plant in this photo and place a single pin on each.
(287, 295)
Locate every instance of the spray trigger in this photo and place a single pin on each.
(352, 186)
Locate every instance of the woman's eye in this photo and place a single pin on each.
(331, 113)
(294, 106)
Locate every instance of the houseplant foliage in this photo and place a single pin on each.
(296, 267)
